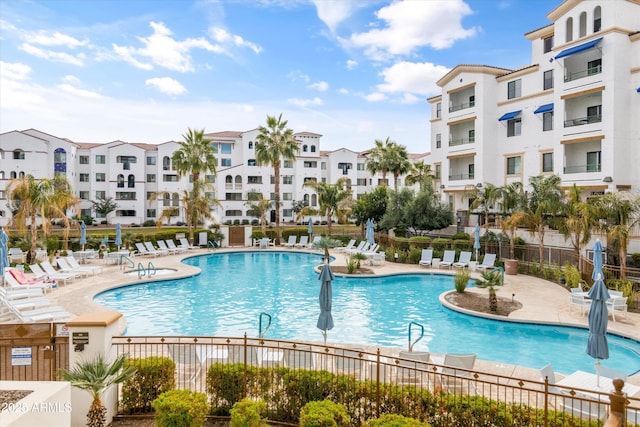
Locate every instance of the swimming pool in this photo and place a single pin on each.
(234, 288)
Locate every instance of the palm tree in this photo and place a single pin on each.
(580, 218)
(484, 197)
(491, 279)
(378, 159)
(45, 198)
(399, 163)
(96, 376)
(325, 243)
(259, 206)
(167, 213)
(331, 197)
(512, 204)
(274, 144)
(420, 173)
(543, 206)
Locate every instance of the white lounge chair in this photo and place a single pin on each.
(457, 372)
(300, 357)
(427, 257)
(15, 279)
(362, 247)
(153, 249)
(316, 239)
(413, 367)
(143, 251)
(547, 374)
(162, 246)
(448, 259)
(463, 260)
(617, 304)
(187, 360)
(41, 274)
(488, 262)
(90, 268)
(185, 244)
(350, 245)
(291, 242)
(304, 241)
(172, 245)
(16, 255)
(64, 267)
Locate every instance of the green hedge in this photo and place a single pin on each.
(153, 376)
(181, 408)
(421, 242)
(324, 413)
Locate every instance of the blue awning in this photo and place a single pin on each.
(509, 116)
(544, 108)
(638, 90)
(578, 49)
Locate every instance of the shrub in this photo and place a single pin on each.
(421, 242)
(461, 279)
(153, 376)
(178, 408)
(324, 413)
(245, 222)
(572, 275)
(249, 413)
(255, 222)
(440, 244)
(461, 236)
(149, 223)
(393, 420)
(414, 255)
(402, 243)
(236, 222)
(225, 384)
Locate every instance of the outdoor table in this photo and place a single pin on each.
(588, 381)
(435, 262)
(84, 255)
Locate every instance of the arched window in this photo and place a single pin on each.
(120, 181)
(166, 199)
(238, 182)
(131, 181)
(250, 145)
(166, 163)
(175, 199)
(597, 23)
(228, 179)
(569, 30)
(314, 200)
(13, 175)
(582, 31)
(60, 161)
(305, 148)
(1, 154)
(306, 200)
(1, 174)
(21, 174)
(313, 148)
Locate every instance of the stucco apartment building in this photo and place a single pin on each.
(574, 111)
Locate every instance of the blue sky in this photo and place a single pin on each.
(146, 70)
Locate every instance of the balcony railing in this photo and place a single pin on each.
(461, 176)
(583, 73)
(579, 121)
(459, 107)
(461, 141)
(583, 168)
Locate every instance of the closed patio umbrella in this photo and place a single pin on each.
(118, 236)
(369, 233)
(476, 240)
(4, 251)
(597, 259)
(310, 229)
(325, 320)
(83, 234)
(597, 346)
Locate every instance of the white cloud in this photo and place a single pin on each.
(321, 86)
(351, 64)
(52, 55)
(410, 25)
(83, 93)
(166, 85)
(14, 70)
(71, 79)
(222, 36)
(332, 13)
(375, 97)
(410, 77)
(304, 102)
(56, 39)
(298, 75)
(165, 51)
(343, 91)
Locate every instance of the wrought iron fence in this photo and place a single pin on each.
(288, 374)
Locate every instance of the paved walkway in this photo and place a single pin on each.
(542, 301)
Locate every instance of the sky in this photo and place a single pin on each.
(146, 71)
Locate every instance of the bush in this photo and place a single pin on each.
(461, 236)
(461, 279)
(225, 384)
(572, 275)
(440, 244)
(153, 376)
(402, 243)
(421, 242)
(635, 258)
(415, 254)
(149, 223)
(393, 420)
(181, 408)
(249, 413)
(324, 413)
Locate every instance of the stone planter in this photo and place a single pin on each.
(511, 266)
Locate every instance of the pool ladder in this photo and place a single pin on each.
(260, 331)
(149, 271)
(124, 258)
(411, 344)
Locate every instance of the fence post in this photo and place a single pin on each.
(617, 413)
(546, 401)
(378, 384)
(89, 337)
(245, 365)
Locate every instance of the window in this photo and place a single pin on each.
(252, 162)
(305, 148)
(18, 155)
(287, 213)
(287, 179)
(101, 159)
(439, 109)
(313, 148)
(84, 160)
(438, 140)
(131, 181)
(233, 212)
(310, 179)
(85, 213)
(101, 195)
(150, 195)
(438, 172)
(120, 181)
(514, 89)
(548, 44)
(225, 162)
(472, 171)
(472, 135)
(250, 145)
(233, 196)
(151, 177)
(126, 159)
(84, 195)
(169, 178)
(569, 30)
(100, 177)
(594, 67)
(547, 162)
(548, 80)
(210, 195)
(287, 196)
(547, 121)
(345, 168)
(593, 161)
(272, 196)
(594, 114)
(361, 181)
(360, 167)
(254, 180)
(514, 127)
(287, 164)
(151, 213)
(308, 164)
(582, 25)
(323, 166)
(125, 195)
(225, 148)
(84, 177)
(166, 163)
(151, 161)
(597, 23)
(513, 165)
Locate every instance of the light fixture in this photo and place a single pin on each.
(479, 185)
(607, 179)
(442, 186)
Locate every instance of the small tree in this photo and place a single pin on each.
(491, 279)
(95, 376)
(325, 243)
(104, 206)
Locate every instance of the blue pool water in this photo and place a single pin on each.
(226, 299)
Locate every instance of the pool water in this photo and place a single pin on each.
(226, 299)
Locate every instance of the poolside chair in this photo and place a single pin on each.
(299, 356)
(17, 293)
(351, 244)
(16, 255)
(64, 267)
(15, 278)
(617, 304)
(316, 239)
(185, 244)
(187, 361)
(172, 245)
(362, 246)
(350, 362)
(162, 246)
(580, 301)
(448, 259)
(427, 257)
(456, 372)
(548, 374)
(152, 249)
(42, 274)
(304, 241)
(413, 367)
(488, 262)
(463, 260)
(291, 242)
(49, 314)
(613, 373)
(75, 264)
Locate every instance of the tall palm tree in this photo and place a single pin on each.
(420, 173)
(96, 376)
(543, 206)
(512, 204)
(45, 198)
(274, 144)
(399, 163)
(484, 198)
(378, 159)
(331, 197)
(259, 206)
(580, 219)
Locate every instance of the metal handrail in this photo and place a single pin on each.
(126, 257)
(213, 245)
(411, 344)
(151, 268)
(141, 270)
(260, 331)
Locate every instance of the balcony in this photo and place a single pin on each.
(593, 167)
(461, 177)
(461, 141)
(462, 106)
(576, 75)
(579, 121)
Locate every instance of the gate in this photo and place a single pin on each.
(33, 351)
(236, 236)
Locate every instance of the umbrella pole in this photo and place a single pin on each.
(324, 334)
(598, 372)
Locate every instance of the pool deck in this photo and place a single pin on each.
(542, 301)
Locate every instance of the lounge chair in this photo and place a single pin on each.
(153, 249)
(581, 301)
(448, 259)
(162, 246)
(291, 242)
(463, 260)
(427, 257)
(548, 374)
(18, 293)
(316, 239)
(300, 357)
(52, 313)
(357, 248)
(456, 372)
(144, 251)
(413, 367)
(16, 255)
(351, 244)
(184, 243)
(75, 264)
(488, 262)
(187, 361)
(64, 267)
(613, 373)
(40, 273)
(15, 279)
(304, 241)
(362, 247)
(617, 304)
(172, 245)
